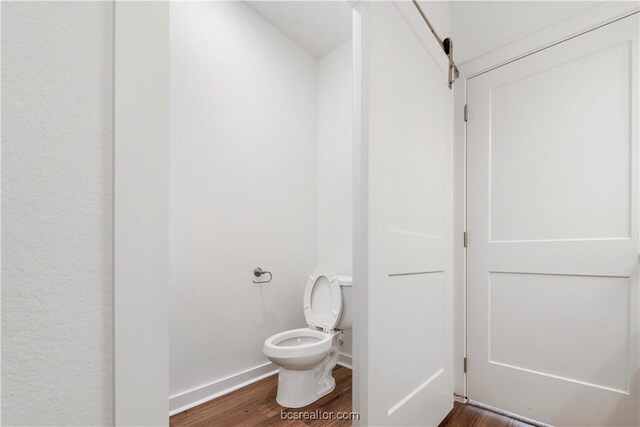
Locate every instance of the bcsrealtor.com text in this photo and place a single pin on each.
(319, 415)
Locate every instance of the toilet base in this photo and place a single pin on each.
(327, 388)
(300, 388)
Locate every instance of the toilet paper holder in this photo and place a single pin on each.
(258, 271)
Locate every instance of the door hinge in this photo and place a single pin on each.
(466, 112)
(465, 365)
(466, 239)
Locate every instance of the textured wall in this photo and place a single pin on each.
(56, 213)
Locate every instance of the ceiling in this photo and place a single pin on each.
(317, 26)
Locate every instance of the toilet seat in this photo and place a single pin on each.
(303, 342)
(323, 299)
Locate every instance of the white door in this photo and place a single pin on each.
(407, 145)
(552, 146)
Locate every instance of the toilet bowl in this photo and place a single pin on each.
(307, 356)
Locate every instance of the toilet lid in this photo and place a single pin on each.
(323, 299)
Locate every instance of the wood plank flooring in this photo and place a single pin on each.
(255, 405)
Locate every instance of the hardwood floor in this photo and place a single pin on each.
(255, 405)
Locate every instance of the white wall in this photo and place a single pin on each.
(243, 187)
(335, 163)
(479, 27)
(57, 213)
(335, 171)
(439, 14)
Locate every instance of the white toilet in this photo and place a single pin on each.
(307, 356)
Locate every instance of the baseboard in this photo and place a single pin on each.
(459, 398)
(345, 360)
(188, 399)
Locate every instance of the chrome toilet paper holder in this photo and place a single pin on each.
(258, 271)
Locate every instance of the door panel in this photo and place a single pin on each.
(589, 110)
(573, 303)
(552, 218)
(407, 113)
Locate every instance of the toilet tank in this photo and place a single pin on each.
(346, 318)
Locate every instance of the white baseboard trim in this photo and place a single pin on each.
(345, 360)
(197, 396)
(460, 399)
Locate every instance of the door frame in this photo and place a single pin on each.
(141, 210)
(360, 240)
(584, 22)
(141, 213)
